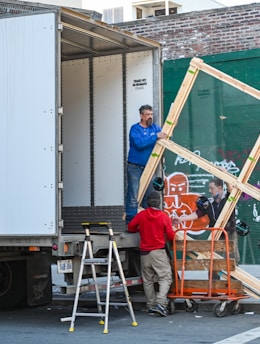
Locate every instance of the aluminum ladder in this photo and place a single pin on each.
(89, 259)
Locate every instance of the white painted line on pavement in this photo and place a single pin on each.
(242, 338)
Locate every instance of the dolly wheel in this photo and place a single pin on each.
(191, 306)
(234, 307)
(220, 310)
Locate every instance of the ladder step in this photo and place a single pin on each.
(96, 261)
(90, 314)
(114, 303)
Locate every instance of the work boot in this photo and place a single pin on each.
(161, 310)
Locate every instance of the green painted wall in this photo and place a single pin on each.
(221, 124)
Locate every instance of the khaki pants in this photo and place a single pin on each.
(156, 264)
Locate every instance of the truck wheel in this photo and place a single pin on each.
(12, 284)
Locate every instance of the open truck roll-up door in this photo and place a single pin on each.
(83, 37)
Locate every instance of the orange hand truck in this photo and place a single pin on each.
(211, 255)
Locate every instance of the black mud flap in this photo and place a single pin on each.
(39, 281)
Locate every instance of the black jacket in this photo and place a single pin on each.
(213, 211)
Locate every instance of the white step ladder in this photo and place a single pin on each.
(87, 249)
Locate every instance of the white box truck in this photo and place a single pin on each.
(70, 89)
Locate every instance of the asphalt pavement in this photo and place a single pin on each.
(42, 325)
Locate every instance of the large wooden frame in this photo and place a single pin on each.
(240, 183)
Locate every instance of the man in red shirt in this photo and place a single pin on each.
(154, 227)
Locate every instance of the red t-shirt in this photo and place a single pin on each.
(154, 226)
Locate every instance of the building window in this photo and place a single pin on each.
(139, 13)
(172, 10)
(113, 15)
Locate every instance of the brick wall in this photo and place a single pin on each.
(202, 33)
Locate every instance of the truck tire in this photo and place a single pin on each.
(12, 284)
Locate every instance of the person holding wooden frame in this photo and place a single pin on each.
(212, 207)
(142, 138)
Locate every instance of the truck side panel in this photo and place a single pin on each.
(27, 131)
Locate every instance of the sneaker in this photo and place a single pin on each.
(159, 309)
(151, 311)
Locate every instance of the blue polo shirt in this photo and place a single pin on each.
(142, 141)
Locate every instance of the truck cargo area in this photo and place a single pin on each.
(85, 84)
(106, 74)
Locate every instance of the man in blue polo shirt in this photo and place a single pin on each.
(142, 138)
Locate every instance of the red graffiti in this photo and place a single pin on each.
(178, 201)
